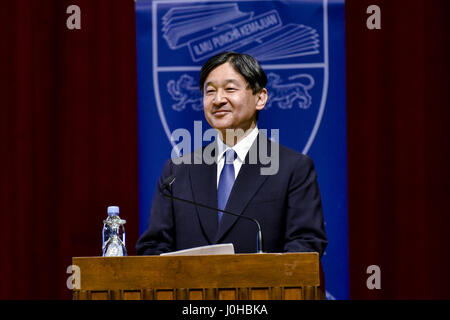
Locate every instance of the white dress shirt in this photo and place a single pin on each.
(241, 148)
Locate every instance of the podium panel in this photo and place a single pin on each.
(267, 276)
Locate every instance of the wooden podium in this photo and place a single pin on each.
(277, 276)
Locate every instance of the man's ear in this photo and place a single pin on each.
(261, 99)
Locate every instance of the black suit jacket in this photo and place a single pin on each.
(287, 205)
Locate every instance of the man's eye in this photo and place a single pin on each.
(209, 91)
(230, 89)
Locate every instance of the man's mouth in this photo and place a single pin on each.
(220, 113)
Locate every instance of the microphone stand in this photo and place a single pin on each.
(165, 186)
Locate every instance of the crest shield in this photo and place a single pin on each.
(291, 48)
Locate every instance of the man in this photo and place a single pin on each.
(286, 201)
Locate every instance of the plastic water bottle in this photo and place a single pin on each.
(114, 234)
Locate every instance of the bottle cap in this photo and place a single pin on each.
(113, 211)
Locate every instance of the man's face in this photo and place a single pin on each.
(227, 101)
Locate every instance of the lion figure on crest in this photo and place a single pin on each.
(285, 94)
(184, 91)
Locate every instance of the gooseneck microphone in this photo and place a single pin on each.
(171, 179)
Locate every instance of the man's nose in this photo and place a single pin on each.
(219, 97)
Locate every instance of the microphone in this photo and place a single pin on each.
(167, 183)
(171, 179)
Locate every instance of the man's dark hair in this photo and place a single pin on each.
(245, 64)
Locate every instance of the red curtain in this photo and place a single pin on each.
(398, 149)
(68, 138)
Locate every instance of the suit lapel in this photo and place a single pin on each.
(248, 182)
(204, 188)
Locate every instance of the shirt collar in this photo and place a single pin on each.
(241, 148)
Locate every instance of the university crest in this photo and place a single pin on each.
(292, 49)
